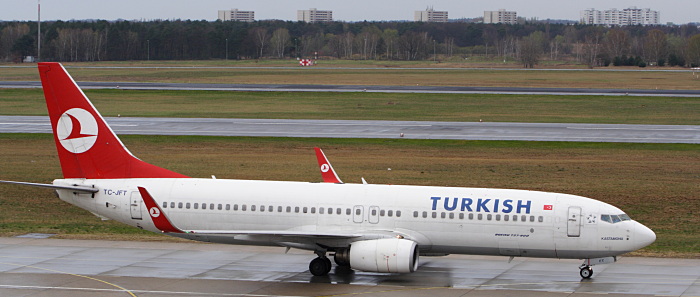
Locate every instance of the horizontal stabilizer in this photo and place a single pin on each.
(75, 188)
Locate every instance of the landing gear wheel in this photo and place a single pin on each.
(320, 266)
(586, 272)
(329, 265)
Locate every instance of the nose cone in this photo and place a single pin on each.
(643, 236)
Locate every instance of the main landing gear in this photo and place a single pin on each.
(321, 265)
(586, 271)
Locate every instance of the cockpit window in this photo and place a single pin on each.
(612, 219)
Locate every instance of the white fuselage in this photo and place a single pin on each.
(441, 220)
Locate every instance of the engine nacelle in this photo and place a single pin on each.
(384, 255)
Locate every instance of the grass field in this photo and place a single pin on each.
(655, 183)
(375, 73)
(374, 106)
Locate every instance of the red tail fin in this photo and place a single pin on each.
(327, 171)
(87, 146)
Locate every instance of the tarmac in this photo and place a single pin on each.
(35, 266)
(378, 129)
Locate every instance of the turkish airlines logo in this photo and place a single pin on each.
(77, 130)
(325, 168)
(155, 212)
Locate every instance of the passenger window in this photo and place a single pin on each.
(219, 207)
(165, 204)
(279, 209)
(471, 216)
(187, 205)
(179, 205)
(498, 217)
(480, 217)
(347, 211)
(338, 211)
(425, 214)
(415, 214)
(442, 215)
(461, 216)
(321, 210)
(523, 218)
(270, 208)
(390, 213)
(211, 206)
(296, 209)
(488, 217)
(506, 218)
(289, 209)
(374, 212)
(452, 215)
(252, 207)
(540, 219)
(243, 207)
(228, 206)
(313, 210)
(235, 207)
(532, 218)
(172, 204)
(381, 213)
(358, 212)
(330, 210)
(398, 213)
(434, 215)
(204, 206)
(262, 208)
(515, 218)
(196, 205)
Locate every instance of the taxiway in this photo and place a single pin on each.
(58, 267)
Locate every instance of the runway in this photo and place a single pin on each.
(379, 129)
(364, 88)
(56, 267)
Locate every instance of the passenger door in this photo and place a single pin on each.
(573, 227)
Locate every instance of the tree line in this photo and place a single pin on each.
(528, 43)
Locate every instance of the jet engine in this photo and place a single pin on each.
(381, 255)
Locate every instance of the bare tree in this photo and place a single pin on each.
(531, 48)
(261, 38)
(693, 50)
(449, 46)
(279, 41)
(9, 36)
(591, 46)
(655, 45)
(414, 45)
(617, 42)
(390, 36)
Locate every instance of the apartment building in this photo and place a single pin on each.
(500, 16)
(237, 15)
(314, 15)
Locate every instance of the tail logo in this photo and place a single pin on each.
(77, 130)
(325, 168)
(155, 212)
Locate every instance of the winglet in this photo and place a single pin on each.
(157, 215)
(327, 171)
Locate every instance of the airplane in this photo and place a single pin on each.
(366, 227)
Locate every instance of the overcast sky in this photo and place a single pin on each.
(676, 11)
